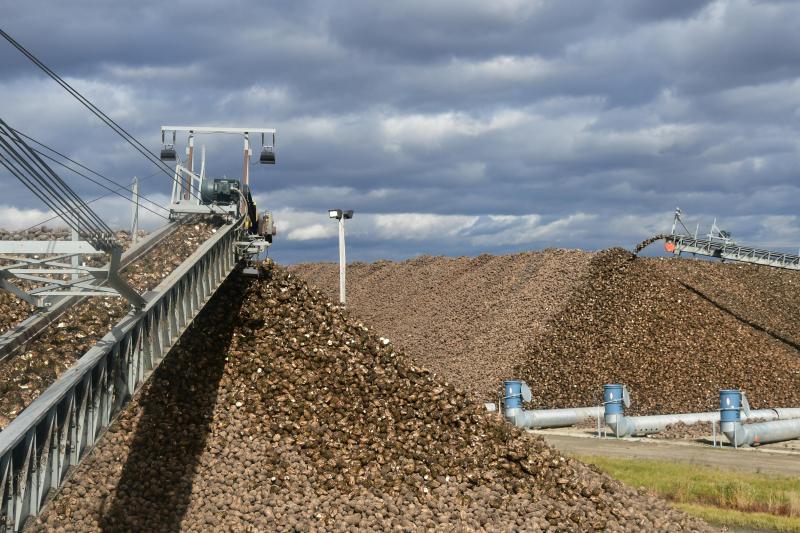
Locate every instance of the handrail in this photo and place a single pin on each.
(15, 338)
(55, 432)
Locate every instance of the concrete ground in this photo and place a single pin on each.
(778, 459)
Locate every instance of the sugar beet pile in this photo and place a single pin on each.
(674, 331)
(467, 319)
(277, 412)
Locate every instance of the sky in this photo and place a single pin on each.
(449, 127)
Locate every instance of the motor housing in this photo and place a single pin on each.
(219, 191)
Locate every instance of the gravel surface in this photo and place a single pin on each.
(24, 377)
(276, 412)
(467, 319)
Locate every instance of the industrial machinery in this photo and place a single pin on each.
(58, 429)
(720, 244)
(194, 193)
(53, 434)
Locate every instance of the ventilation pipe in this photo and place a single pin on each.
(518, 391)
(731, 404)
(616, 399)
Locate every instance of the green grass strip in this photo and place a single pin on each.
(759, 500)
(739, 519)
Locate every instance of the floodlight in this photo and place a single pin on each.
(267, 151)
(335, 213)
(267, 155)
(168, 153)
(347, 214)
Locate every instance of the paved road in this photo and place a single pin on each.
(742, 460)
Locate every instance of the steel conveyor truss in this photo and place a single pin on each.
(679, 244)
(719, 244)
(55, 432)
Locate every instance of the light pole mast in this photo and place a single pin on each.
(341, 215)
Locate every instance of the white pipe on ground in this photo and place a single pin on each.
(784, 426)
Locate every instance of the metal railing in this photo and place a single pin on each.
(732, 252)
(15, 338)
(57, 430)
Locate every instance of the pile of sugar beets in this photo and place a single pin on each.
(278, 412)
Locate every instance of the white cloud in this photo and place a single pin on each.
(515, 230)
(13, 218)
(185, 73)
(420, 226)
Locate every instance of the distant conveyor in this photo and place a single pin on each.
(679, 244)
(719, 244)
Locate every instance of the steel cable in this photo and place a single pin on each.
(130, 139)
(84, 167)
(40, 179)
(55, 184)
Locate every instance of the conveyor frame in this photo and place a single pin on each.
(57, 430)
(13, 339)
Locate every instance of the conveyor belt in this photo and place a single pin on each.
(679, 244)
(54, 433)
(15, 338)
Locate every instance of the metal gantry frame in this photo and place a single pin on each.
(12, 340)
(721, 246)
(57, 430)
(60, 273)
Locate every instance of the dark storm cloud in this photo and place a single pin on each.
(451, 127)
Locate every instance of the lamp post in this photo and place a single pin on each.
(341, 216)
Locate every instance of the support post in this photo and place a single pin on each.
(75, 259)
(135, 208)
(246, 166)
(187, 182)
(342, 264)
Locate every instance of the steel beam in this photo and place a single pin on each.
(74, 412)
(12, 340)
(731, 252)
(48, 247)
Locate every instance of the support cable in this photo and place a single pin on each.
(16, 163)
(84, 167)
(106, 195)
(40, 179)
(130, 139)
(53, 181)
(112, 191)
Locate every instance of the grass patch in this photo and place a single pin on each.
(719, 496)
(739, 519)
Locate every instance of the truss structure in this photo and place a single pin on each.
(719, 244)
(56, 268)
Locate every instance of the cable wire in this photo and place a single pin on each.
(97, 199)
(53, 150)
(130, 139)
(40, 179)
(113, 191)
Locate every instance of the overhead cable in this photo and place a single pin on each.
(130, 139)
(84, 167)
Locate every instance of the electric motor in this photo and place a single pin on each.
(219, 191)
